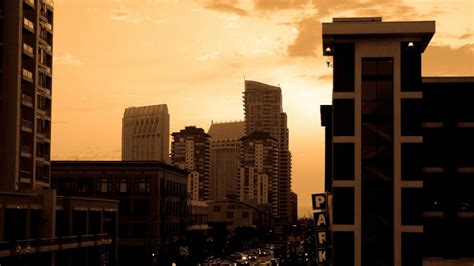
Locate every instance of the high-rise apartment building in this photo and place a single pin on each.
(377, 70)
(264, 112)
(145, 133)
(190, 151)
(26, 37)
(224, 157)
(259, 167)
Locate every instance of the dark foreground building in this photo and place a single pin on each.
(399, 149)
(152, 207)
(41, 228)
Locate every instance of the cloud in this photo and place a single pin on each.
(309, 28)
(209, 56)
(66, 59)
(446, 60)
(309, 36)
(125, 15)
(466, 36)
(273, 5)
(227, 9)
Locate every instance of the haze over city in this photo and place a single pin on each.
(194, 57)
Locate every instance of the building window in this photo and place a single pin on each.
(245, 215)
(217, 208)
(84, 185)
(343, 248)
(142, 185)
(412, 252)
(343, 163)
(104, 185)
(343, 111)
(412, 161)
(411, 117)
(230, 215)
(344, 66)
(122, 185)
(412, 206)
(410, 69)
(343, 200)
(377, 160)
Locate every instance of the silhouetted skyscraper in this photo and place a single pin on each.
(190, 151)
(25, 94)
(145, 133)
(377, 77)
(224, 157)
(264, 112)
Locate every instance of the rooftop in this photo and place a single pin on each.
(146, 110)
(115, 165)
(373, 27)
(227, 130)
(250, 84)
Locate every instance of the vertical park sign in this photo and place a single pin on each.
(322, 227)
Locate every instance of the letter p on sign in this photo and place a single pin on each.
(319, 201)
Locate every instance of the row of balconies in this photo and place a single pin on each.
(29, 246)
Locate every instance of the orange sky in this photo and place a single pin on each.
(193, 56)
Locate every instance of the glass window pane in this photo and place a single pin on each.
(369, 67)
(385, 90)
(384, 67)
(369, 90)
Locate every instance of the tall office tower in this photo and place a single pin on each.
(25, 94)
(190, 151)
(264, 112)
(377, 71)
(225, 152)
(259, 166)
(145, 133)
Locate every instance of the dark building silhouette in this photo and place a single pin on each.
(397, 149)
(263, 110)
(190, 150)
(152, 207)
(447, 167)
(25, 93)
(42, 228)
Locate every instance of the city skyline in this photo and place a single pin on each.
(281, 50)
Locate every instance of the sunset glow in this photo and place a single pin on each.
(194, 57)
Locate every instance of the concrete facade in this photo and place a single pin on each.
(225, 163)
(145, 133)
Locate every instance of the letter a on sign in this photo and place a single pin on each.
(319, 201)
(321, 220)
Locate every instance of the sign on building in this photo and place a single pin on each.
(322, 226)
